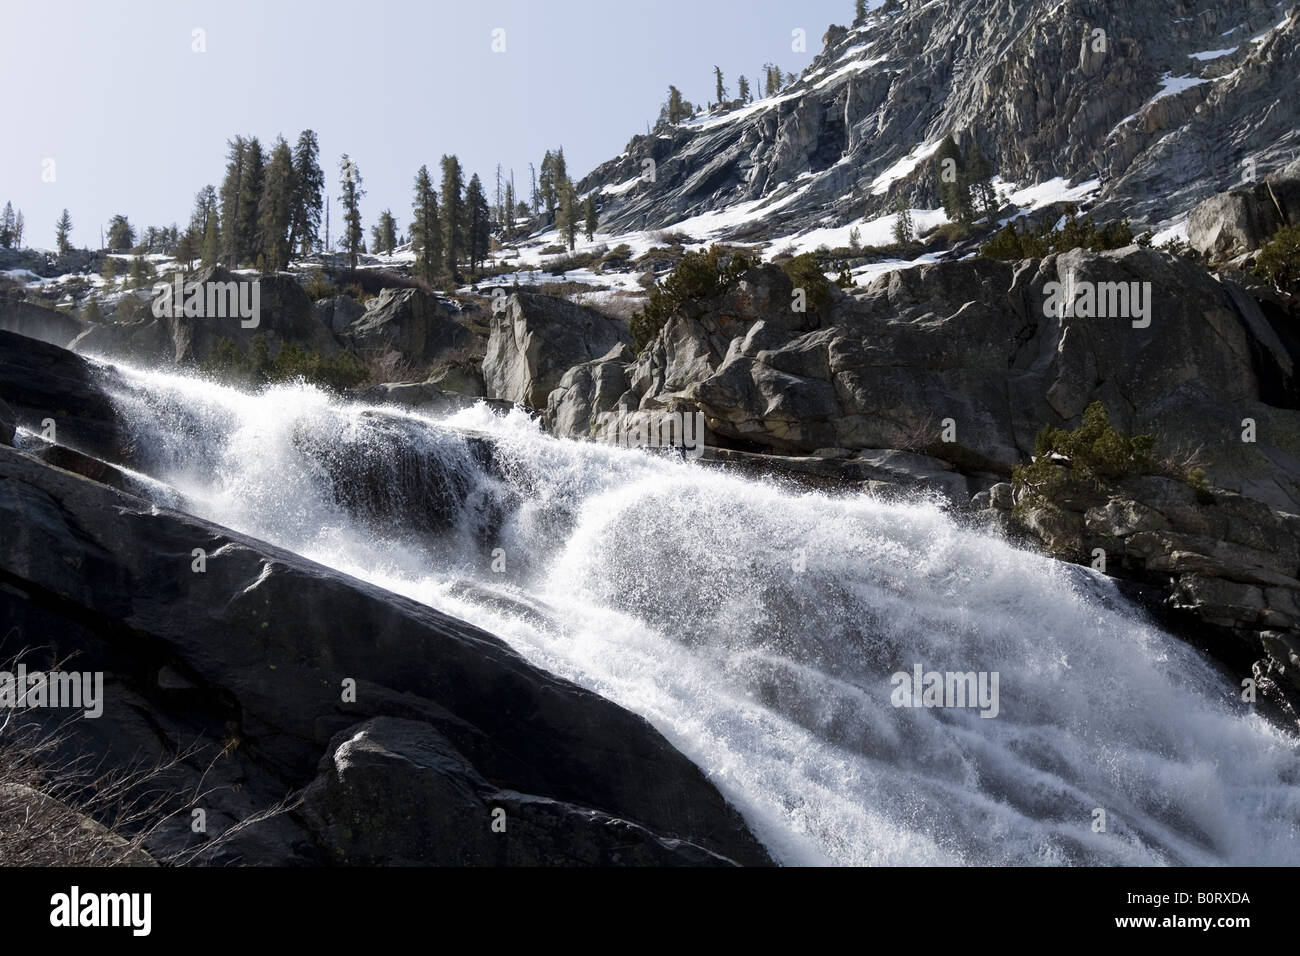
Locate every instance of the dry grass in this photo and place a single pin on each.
(61, 811)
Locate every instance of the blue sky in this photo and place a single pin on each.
(136, 121)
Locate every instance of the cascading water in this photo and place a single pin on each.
(758, 627)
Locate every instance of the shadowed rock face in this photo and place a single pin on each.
(970, 342)
(38, 322)
(411, 323)
(251, 658)
(42, 382)
(285, 316)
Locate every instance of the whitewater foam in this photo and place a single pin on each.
(758, 628)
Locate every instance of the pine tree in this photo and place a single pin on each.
(350, 183)
(384, 235)
(743, 90)
(720, 91)
(859, 12)
(141, 273)
(62, 229)
(478, 223)
(19, 222)
(676, 108)
(979, 177)
(567, 220)
(231, 194)
(773, 73)
(426, 230)
(453, 213)
(251, 185)
(276, 208)
(904, 232)
(508, 216)
(308, 188)
(121, 237)
(7, 223)
(204, 225)
(591, 216)
(497, 215)
(187, 248)
(546, 185)
(953, 183)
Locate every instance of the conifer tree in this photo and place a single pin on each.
(350, 183)
(979, 177)
(426, 229)
(591, 216)
(121, 237)
(187, 247)
(859, 12)
(773, 85)
(7, 223)
(676, 108)
(720, 91)
(904, 232)
(204, 225)
(546, 185)
(275, 214)
(743, 90)
(231, 194)
(250, 202)
(453, 213)
(478, 223)
(954, 187)
(567, 220)
(383, 237)
(308, 189)
(63, 229)
(508, 216)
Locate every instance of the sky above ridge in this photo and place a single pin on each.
(114, 107)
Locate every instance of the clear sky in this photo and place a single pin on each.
(136, 121)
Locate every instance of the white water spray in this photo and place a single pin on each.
(757, 627)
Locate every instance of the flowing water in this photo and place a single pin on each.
(758, 627)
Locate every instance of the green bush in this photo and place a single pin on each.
(1278, 260)
(1013, 244)
(617, 257)
(317, 286)
(698, 276)
(805, 272)
(951, 231)
(228, 360)
(1091, 458)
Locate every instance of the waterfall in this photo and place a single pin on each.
(760, 627)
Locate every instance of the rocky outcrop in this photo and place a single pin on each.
(1227, 565)
(38, 322)
(380, 730)
(407, 325)
(536, 338)
(960, 362)
(463, 378)
(48, 386)
(588, 390)
(1241, 220)
(284, 316)
(338, 312)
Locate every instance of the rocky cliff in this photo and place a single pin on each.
(1163, 102)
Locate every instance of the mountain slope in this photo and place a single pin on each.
(1160, 101)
